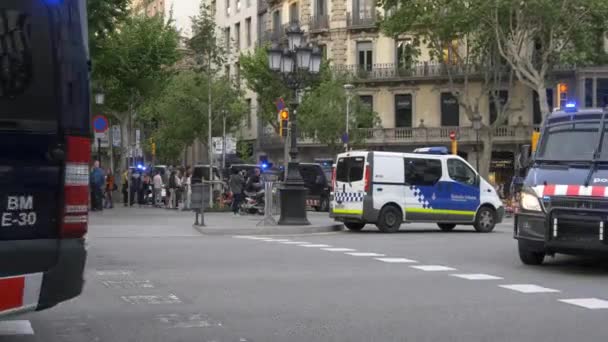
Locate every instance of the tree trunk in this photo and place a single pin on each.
(124, 135)
(542, 101)
(485, 156)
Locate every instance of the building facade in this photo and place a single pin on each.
(410, 93)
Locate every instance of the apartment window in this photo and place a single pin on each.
(249, 113)
(294, 12)
(320, 8)
(502, 96)
(323, 49)
(248, 31)
(588, 92)
(601, 93)
(227, 38)
(362, 9)
(450, 110)
(365, 55)
(537, 118)
(405, 53)
(403, 110)
(261, 25)
(238, 5)
(227, 7)
(237, 36)
(450, 52)
(367, 101)
(276, 22)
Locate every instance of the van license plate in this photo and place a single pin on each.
(18, 212)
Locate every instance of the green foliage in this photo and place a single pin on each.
(180, 111)
(204, 42)
(135, 60)
(104, 17)
(267, 84)
(322, 114)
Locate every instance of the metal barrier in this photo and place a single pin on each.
(272, 204)
(199, 201)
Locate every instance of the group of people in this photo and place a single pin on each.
(102, 185)
(151, 188)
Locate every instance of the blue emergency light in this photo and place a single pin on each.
(264, 166)
(570, 107)
(432, 150)
(141, 167)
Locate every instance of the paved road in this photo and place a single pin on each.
(148, 281)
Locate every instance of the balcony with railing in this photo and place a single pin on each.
(362, 19)
(424, 70)
(317, 23)
(417, 136)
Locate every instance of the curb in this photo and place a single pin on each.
(269, 230)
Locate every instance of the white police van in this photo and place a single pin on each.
(387, 189)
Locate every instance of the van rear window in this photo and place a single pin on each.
(27, 82)
(350, 169)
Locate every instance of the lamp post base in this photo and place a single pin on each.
(293, 199)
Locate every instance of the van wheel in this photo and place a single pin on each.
(446, 227)
(390, 219)
(354, 226)
(324, 206)
(529, 256)
(485, 221)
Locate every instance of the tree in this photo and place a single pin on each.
(104, 17)
(536, 36)
(265, 83)
(180, 112)
(458, 39)
(322, 114)
(133, 63)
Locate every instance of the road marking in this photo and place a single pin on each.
(175, 320)
(276, 240)
(315, 246)
(246, 237)
(336, 249)
(128, 284)
(433, 268)
(529, 288)
(396, 260)
(366, 254)
(12, 328)
(111, 273)
(170, 299)
(295, 243)
(587, 303)
(476, 276)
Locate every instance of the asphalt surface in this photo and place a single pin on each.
(148, 280)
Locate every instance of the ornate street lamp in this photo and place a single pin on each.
(297, 64)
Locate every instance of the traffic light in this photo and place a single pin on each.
(283, 122)
(153, 148)
(562, 94)
(535, 137)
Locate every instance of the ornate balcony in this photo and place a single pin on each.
(361, 19)
(419, 136)
(317, 23)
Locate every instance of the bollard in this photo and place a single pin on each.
(197, 204)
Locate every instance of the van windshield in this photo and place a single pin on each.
(572, 141)
(27, 82)
(350, 169)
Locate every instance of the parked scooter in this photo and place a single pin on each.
(253, 203)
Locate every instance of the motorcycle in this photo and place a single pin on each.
(253, 203)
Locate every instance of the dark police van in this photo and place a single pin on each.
(44, 152)
(564, 200)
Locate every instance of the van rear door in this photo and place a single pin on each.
(31, 156)
(350, 184)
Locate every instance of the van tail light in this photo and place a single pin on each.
(368, 178)
(76, 188)
(333, 178)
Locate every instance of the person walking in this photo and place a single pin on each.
(110, 187)
(158, 189)
(187, 191)
(124, 181)
(97, 179)
(237, 184)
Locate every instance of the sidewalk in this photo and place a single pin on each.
(155, 220)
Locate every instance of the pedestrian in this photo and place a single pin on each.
(97, 180)
(134, 186)
(174, 184)
(187, 190)
(110, 188)
(124, 180)
(237, 184)
(158, 189)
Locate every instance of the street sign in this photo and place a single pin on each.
(100, 126)
(280, 104)
(453, 135)
(116, 138)
(345, 138)
(218, 145)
